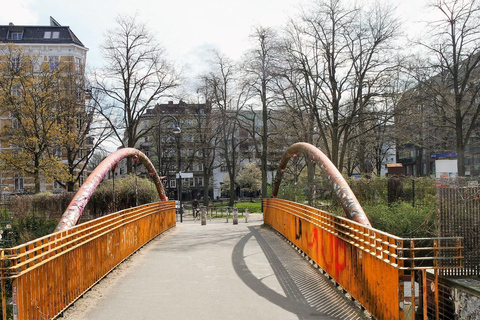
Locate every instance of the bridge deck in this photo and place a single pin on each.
(217, 271)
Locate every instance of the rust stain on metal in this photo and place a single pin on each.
(349, 202)
(75, 208)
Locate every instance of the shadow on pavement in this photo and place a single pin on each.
(328, 303)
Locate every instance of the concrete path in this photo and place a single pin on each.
(216, 271)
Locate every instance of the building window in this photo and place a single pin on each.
(15, 123)
(18, 182)
(199, 181)
(78, 65)
(15, 64)
(173, 183)
(200, 167)
(16, 35)
(16, 93)
(57, 152)
(47, 35)
(55, 35)
(223, 168)
(53, 62)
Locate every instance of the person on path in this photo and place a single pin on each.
(195, 208)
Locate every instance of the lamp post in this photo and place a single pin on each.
(176, 130)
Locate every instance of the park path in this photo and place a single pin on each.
(215, 271)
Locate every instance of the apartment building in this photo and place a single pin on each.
(173, 152)
(48, 47)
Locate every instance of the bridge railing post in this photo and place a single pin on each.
(203, 213)
(235, 215)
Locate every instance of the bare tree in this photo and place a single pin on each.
(229, 97)
(454, 90)
(261, 64)
(342, 62)
(137, 75)
(208, 137)
(83, 129)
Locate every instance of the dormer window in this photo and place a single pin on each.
(16, 35)
(51, 35)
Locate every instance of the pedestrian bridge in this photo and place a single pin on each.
(379, 271)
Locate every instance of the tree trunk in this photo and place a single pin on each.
(206, 186)
(311, 181)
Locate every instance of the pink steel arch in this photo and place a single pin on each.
(75, 209)
(350, 204)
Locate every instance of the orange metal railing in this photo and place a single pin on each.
(48, 274)
(374, 267)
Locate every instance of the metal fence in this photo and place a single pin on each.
(375, 268)
(48, 274)
(459, 215)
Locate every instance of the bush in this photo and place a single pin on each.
(403, 220)
(34, 216)
(43, 204)
(101, 201)
(31, 227)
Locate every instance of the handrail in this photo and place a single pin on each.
(367, 263)
(67, 263)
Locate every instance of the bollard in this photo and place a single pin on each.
(226, 212)
(204, 215)
(246, 215)
(235, 215)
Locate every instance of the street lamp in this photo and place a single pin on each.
(176, 130)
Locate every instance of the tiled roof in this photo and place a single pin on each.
(36, 34)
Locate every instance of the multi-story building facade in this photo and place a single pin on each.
(422, 138)
(51, 45)
(185, 152)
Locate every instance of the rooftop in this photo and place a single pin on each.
(52, 34)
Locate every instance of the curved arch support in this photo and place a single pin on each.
(76, 206)
(350, 204)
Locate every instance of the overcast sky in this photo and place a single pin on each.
(188, 29)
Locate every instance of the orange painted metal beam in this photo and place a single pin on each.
(51, 272)
(350, 204)
(75, 208)
(367, 263)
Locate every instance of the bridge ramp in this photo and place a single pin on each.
(216, 271)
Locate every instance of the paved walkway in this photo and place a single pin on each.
(217, 271)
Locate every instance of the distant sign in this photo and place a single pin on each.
(185, 175)
(443, 155)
